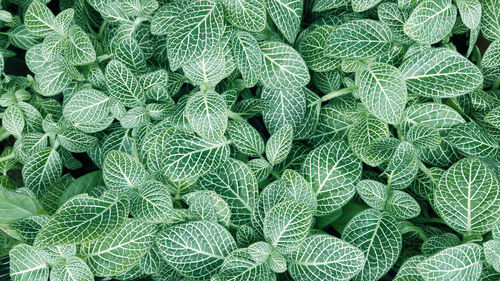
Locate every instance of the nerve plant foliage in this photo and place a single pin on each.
(252, 140)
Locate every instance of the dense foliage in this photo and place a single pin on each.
(249, 140)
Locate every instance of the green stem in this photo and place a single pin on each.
(332, 95)
(427, 172)
(457, 108)
(427, 220)
(101, 29)
(497, 84)
(102, 58)
(234, 115)
(275, 174)
(7, 157)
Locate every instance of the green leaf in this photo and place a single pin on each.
(382, 90)
(423, 136)
(86, 106)
(21, 37)
(282, 67)
(194, 31)
(17, 205)
(79, 50)
(206, 113)
(122, 171)
(472, 141)
(287, 107)
(129, 52)
(287, 15)
(363, 134)
(83, 184)
(297, 188)
(247, 55)
(492, 253)
(491, 57)
(324, 5)
(378, 236)
(363, 5)
(431, 21)
(135, 117)
(13, 121)
(470, 12)
(435, 115)
(287, 225)
(151, 202)
(373, 193)
(402, 206)
(117, 253)
(38, 19)
(240, 265)
(333, 170)
(468, 197)
(82, 219)
(28, 264)
(403, 167)
(439, 242)
(208, 69)
(461, 263)
(408, 271)
(426, 77)
(42, 170)
(235, 183)
(359, 39)
(188, 156)
(279, 144)
(123, 85)
(53, 79)
(165, 16)
(75, 141)
(246, 14)
(490, 21)
(394, 17)
(245, 138)
(312, 48)
(72, 269)
(196, 249)
(326, 257)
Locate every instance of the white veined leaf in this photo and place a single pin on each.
(247, 55)
(42, 170)
(260, 251)
(75, 141)
(246, 14)
(129, 52)
(53, 45)
(188, 156)
(425, 75)
(162, 20)
(38, 19)
(324, 5)
(312, 48)
(35, 60)
(309, 123)
(438, 243)
(135, 117)
(362, 134)
(279, 144)
(287, 15)
(492, 253)
(64, 20)
(195, 30)
(490, 21)
(382, 90)
(72, 269)
(435, 115)
(151, 262)
(209, 69)
(21, 37)
(117, 253)
(467, 197)
(122, 171)
(373, 193)
(82, 219)
(245, 138)
(15, 206)
(394, 17)
(206, 113)
(493, 117)
(79, 49)
(235, 183)
(458, 263)
(359, 39)
(282, 66)
(53, 80)
(470, 12)
(288, 106)
(408, 271)
(277, 262)
(333, 170)
(327, 258)
(287, 225)
(86, 106)
(381, 150)
(28, 264)
(240, 265)
(151, 202)
(207, 205)
(196, 249)
(155, 144)
(472, 141)
(402, 206)
(491, 57)
(431, 21)
(403, 167)
(298, 188)
(13, 121)
(363, 5)
(422, 135)
(378, 236)
(123, 85)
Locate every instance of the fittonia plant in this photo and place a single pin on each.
(267, 140)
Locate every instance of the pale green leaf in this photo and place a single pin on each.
(247, 55)
(422, 135)
(240, 265)
(438, 243)
(492, 253)
(373, 193)
(75, 141)
(363, 5)
(38, 19)
(129, 52)
(403, 167)
(324, 5)
(408, 271)
(490, 21)
(15, 206)
(402, 206)
(209, 69)
(472, 140)
(288, 106)
(245, 138)
(151, 202)
(470, 12)
(287, 15)
(362, 134)
(42, 170)
(279, 144)
(122, 171)
(206, 113)
(86, 106)
(435, 115)
(246, 14)
(123, 85)
(312, 48)
(72, 269)
(79, 49)
(28, 264)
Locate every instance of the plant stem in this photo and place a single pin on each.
(234, 115)
(427, 172)
(427, 220)
(102, 58)
(7, 157)
(275, 174)
(332, 95)
(457, 108)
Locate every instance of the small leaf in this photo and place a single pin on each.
(286, 107)
(373, 193)
(471, 140)
(247, 55)
(42, 170)
(286, 14)
(312, 48)
(435, 115)
(245, 138)
(402, 168)
(151, 202)
(79, 50)
(75, 141)
(206, 113)
(402, 206)
(470, 12)
(72, 269)
(421, 135)
(492, 253)
(28, 264)
(363, 5)
(279, 144)
(123, 85)
(39, 20)
(490, 21)
(122, 171)
(86, 106)
(246, 14)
